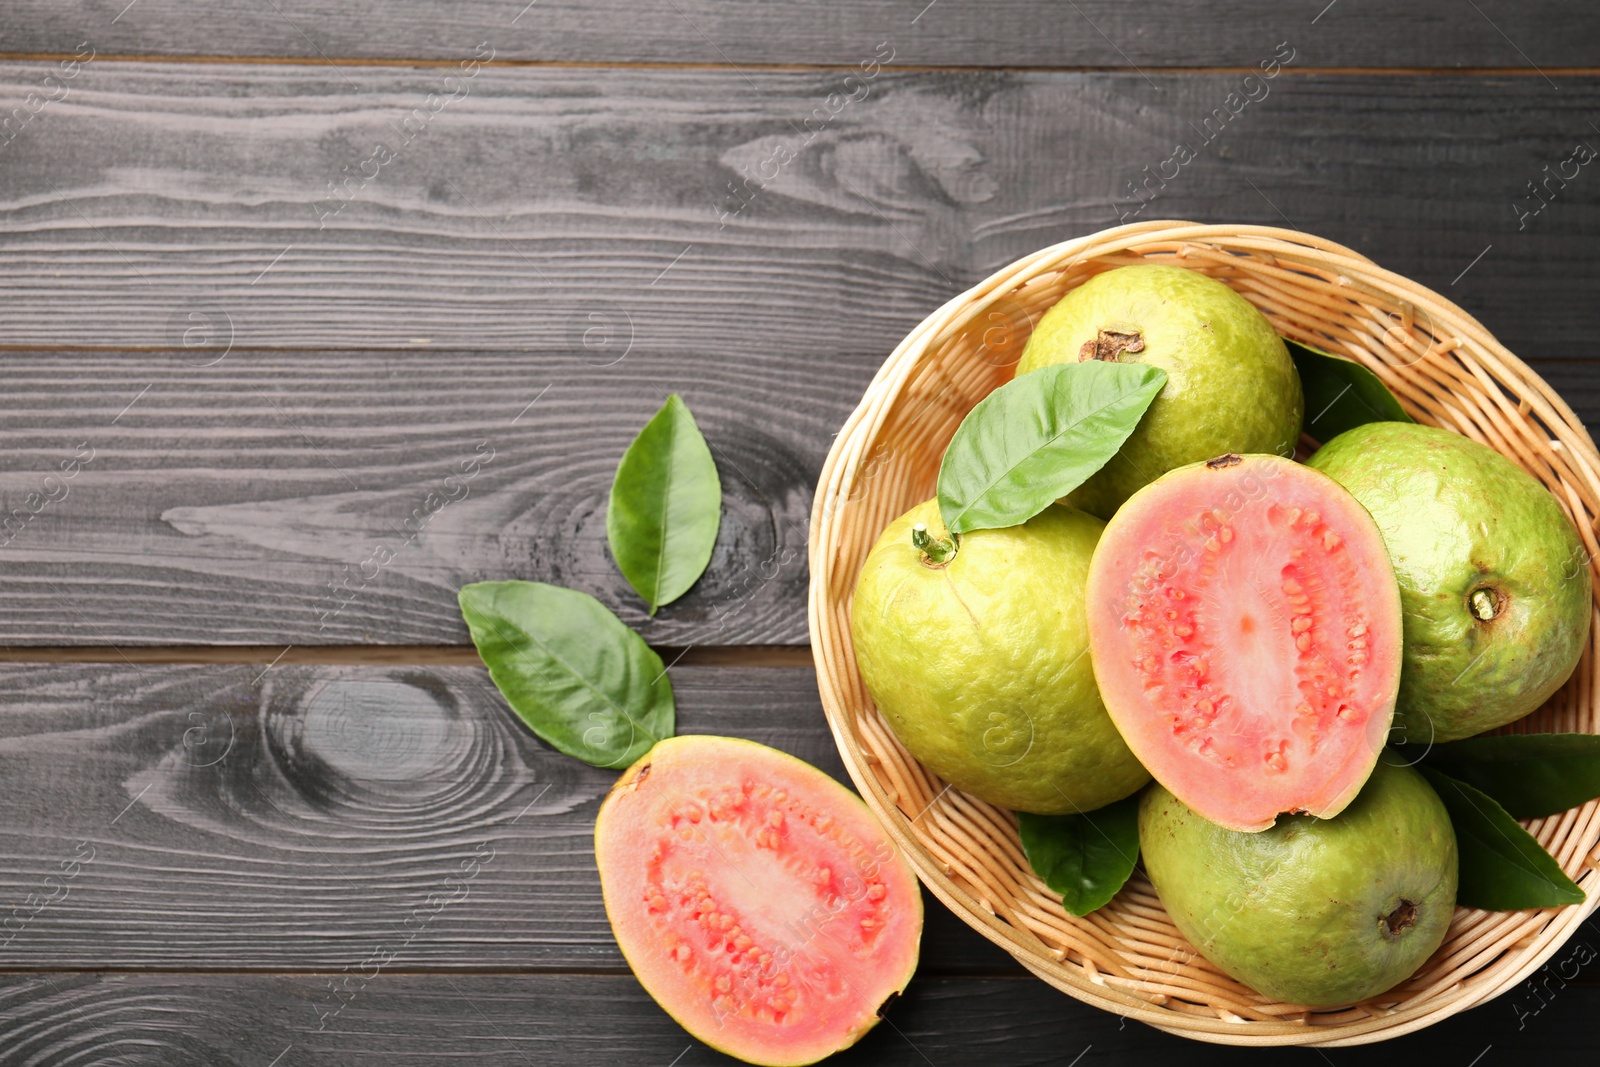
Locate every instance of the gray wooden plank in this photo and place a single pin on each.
(1006, 33)
(305, 818)
(398, 1020)
(606, 215)
(344, 498)
(252, 502)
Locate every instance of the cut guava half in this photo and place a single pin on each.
(756, 899)
(1244, 623)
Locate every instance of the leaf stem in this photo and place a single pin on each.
(935, 550)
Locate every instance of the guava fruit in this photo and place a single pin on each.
(756, 899)
(1231, 386)
(1493, 579)
(979, 660)
(1317, 912)
(1245, 627)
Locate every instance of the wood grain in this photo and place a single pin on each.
(343, 498)
(306, 818)
(1006, 33)
(400, 1020)
(599, 219)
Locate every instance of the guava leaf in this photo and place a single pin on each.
(1341, 394)
(1037, 438)
(570, 669)
(1502, 867)
(1085, 857)
(666, 505)
(1530, 775)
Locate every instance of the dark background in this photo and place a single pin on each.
(238, 756)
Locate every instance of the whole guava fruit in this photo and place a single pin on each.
(978, 658)
(1494, 582)
(1231, 386)
(1319, 912)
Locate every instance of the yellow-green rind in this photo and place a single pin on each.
(982, 666)
(1457, 516)
(1231, 386)
(1297, 912)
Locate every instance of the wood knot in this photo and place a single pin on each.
(350, 733)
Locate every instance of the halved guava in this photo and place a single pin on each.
(1244, 623)
(756, 899)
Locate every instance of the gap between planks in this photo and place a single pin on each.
(620, 971)
(923, 68)
(379, 655)
(1536, 362)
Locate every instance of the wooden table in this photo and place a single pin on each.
(245, 763)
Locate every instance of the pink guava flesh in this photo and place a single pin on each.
(1244, 622)
(756, 899)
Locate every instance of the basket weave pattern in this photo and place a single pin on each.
(1446, 369)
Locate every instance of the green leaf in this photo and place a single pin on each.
(1530, 775)
(1502, 867)
(666, 505)
(1084, 857)
(1037, 438)
(1340, 393)
(576, 675)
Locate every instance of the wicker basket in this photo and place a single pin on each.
(1128, 957)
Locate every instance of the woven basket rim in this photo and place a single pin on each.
(1297, 252)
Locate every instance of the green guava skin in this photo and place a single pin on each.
(1302, 912)
(981, 666)
(1457, 516)
(1231, 386)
